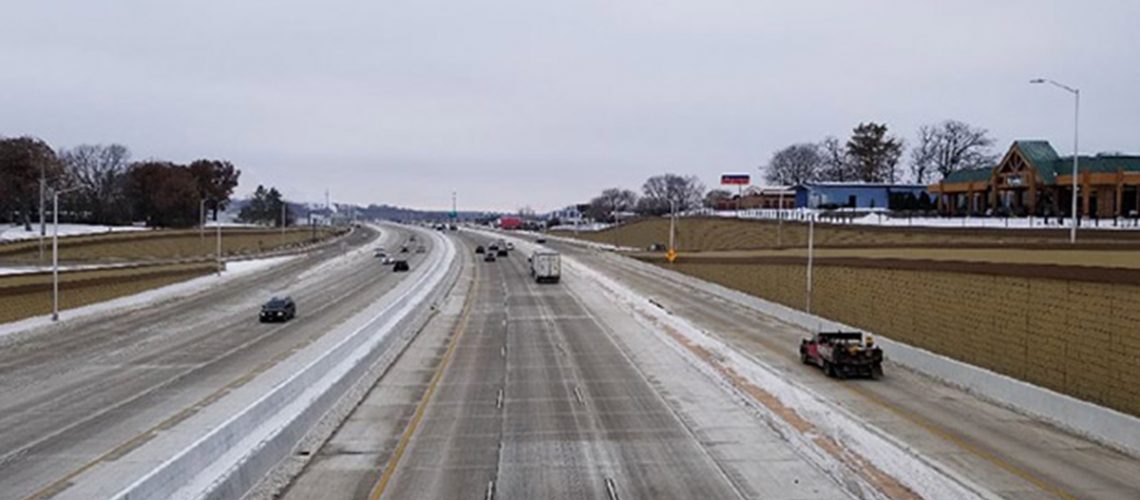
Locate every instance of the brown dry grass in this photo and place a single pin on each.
(160, 245)
(698, 234)
(28, 295)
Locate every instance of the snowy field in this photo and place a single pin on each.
(16, 232)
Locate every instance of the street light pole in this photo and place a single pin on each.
(1076, 146)
(810, 255)
(202, 219)
(672, 224)
(55, 252)
(218, 247)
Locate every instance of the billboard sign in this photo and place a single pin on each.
(735, 179)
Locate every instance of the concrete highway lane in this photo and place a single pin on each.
(539, 403)
(1006, 452)
(91, 392)
(536, 395)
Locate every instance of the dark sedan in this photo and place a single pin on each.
(278, 309)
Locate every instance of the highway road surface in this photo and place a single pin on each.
(87, 392)
(523, 391)
(1006, 452)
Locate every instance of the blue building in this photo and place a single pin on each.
(859, 195)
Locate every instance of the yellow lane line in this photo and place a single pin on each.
(413, 424)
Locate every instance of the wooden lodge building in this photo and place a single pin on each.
(1031, 179)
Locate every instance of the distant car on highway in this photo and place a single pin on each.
(489, 257)
(386, 260)
(404, 249)
(479, 249)
(510, 246)
(502, 252)
(278, 309)
(400, 266)
(492, 248)
(380, 252)
(540, 240)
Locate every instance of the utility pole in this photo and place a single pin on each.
(282, 222)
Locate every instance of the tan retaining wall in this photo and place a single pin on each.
(1078, 338)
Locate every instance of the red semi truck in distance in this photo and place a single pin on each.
(509, 222)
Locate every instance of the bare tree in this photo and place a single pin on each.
(687, 192)
(715, 196)
(874, 154)
(950, 146)
(835, 163)
(612, 200)
(795, 164)
(23, 161)
(98, 171)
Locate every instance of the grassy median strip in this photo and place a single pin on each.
(28, 295)
(164, 244)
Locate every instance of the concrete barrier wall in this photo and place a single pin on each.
(230, 459)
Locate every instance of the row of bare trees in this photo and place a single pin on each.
(659, 195)
(104, 186)
(872, 154)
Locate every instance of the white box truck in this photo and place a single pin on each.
(545, 266)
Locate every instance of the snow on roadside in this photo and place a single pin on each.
(10, 232)
(862, 440)
(234, 270)
(587, 243)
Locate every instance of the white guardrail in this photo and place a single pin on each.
(228, 459)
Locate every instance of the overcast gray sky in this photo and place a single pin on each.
(543, 103)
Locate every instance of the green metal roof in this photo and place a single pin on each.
(1097, 164)
(1041, 155)
(1049, 165)
(969, 175)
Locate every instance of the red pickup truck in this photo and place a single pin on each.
(843, 354)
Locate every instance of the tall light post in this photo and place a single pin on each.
(202, 219)
(811, 251)
(1076, 143)
(55, 251)
(672, 225)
